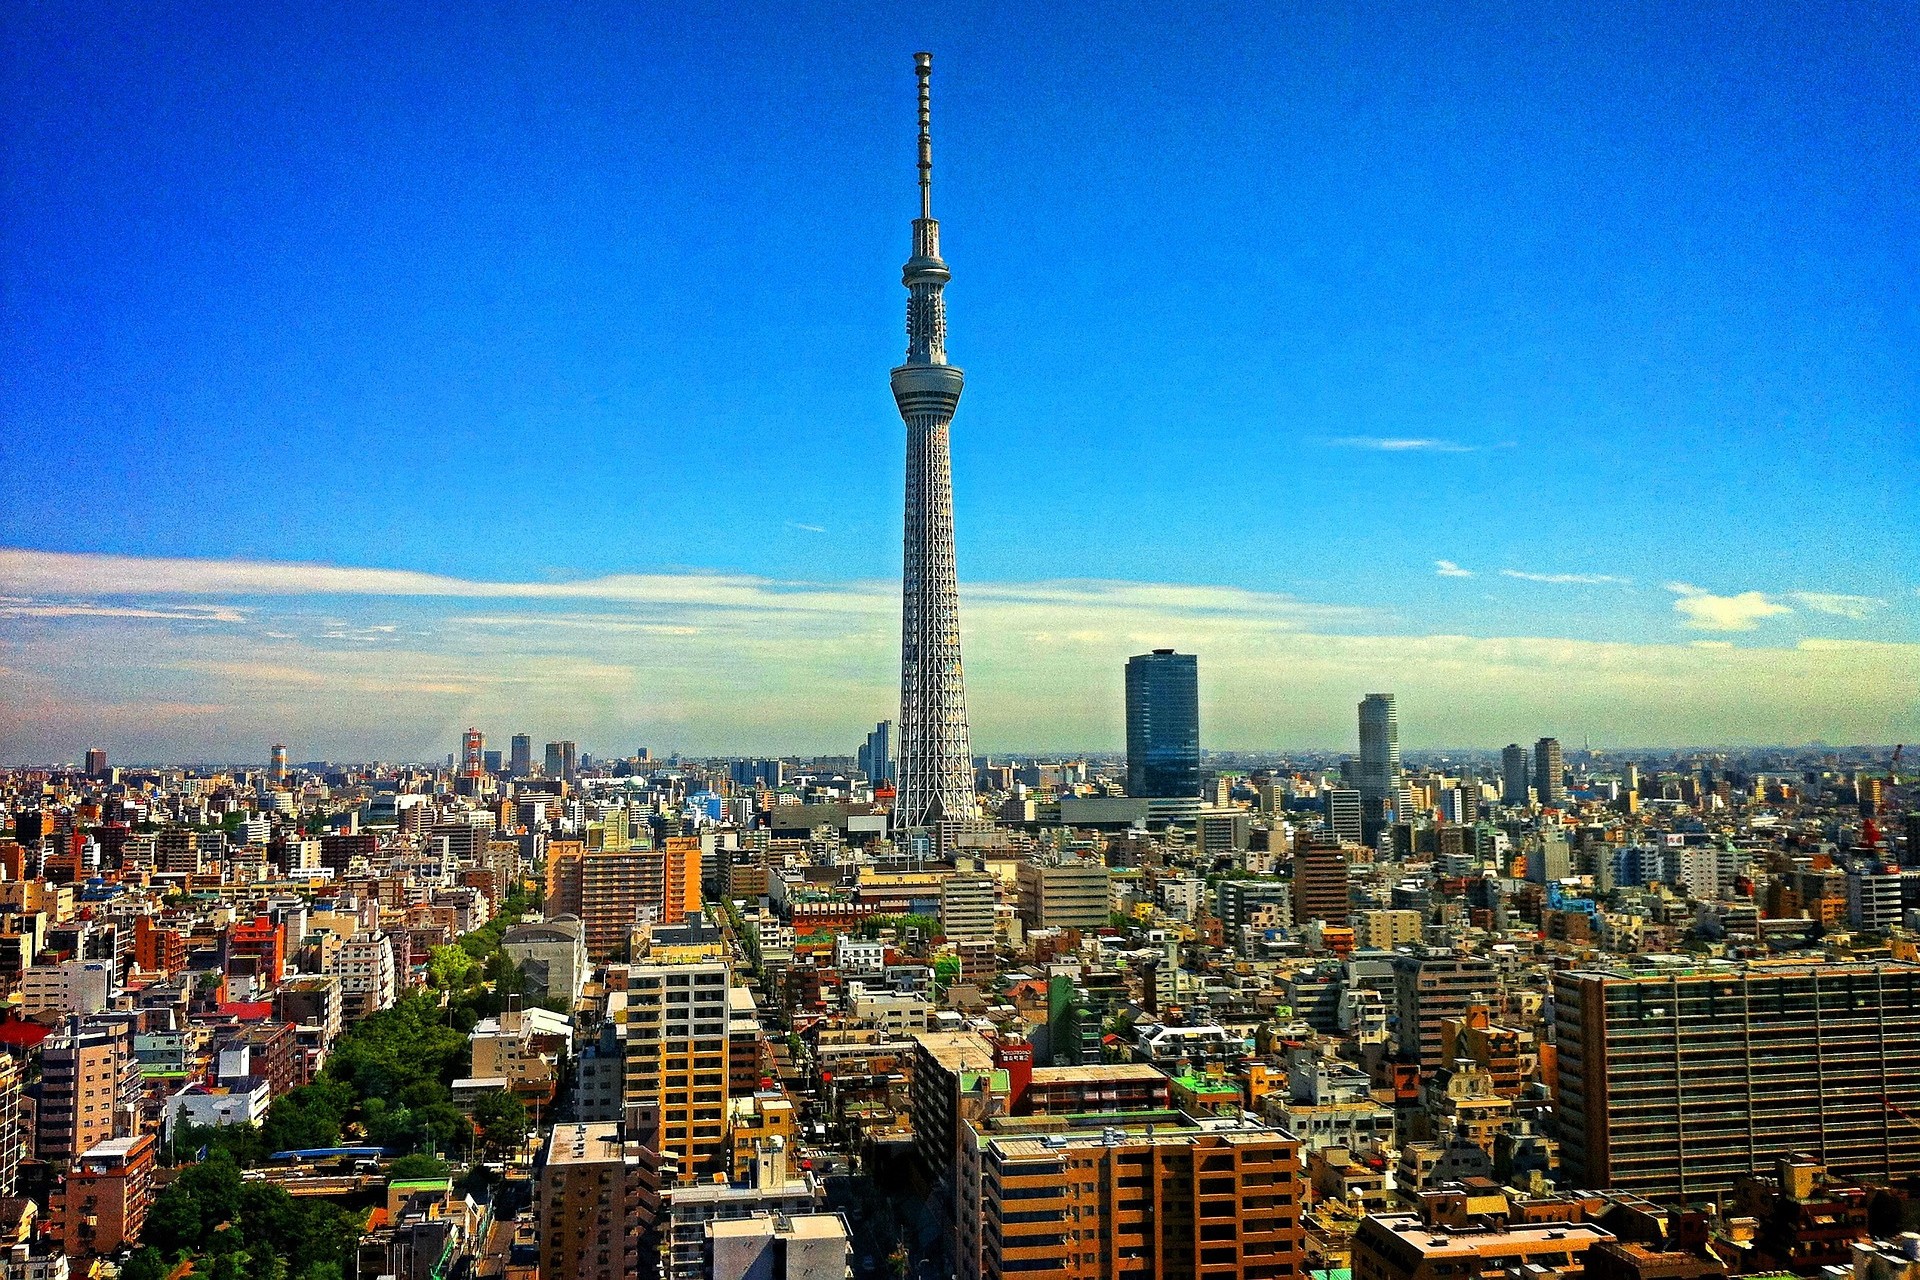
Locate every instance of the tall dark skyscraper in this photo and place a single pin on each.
(1163, 725)
(876, 753)
(1513, 774)
(934, 757)
(1379, 755)
(520, 764)
(1549, 772)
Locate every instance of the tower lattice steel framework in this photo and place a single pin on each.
(935, 767)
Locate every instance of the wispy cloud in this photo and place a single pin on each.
(15, 607)
(1448, 569)
(806, 528)
(1856, 608)
(1569, 579)
(1705, 611)
(1403, 444)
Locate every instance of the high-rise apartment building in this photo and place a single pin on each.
(520, 758)
(1379, 755)
(1128, 1197)
(1677, 1079)
(1513, 774)
(597, 1197)
(624, 886)
(935, 756)
(1320, 884)
(1344, 814)
(13, 1129)
(676, 1059)
(99, 1206)
(1163, 725)
(1549, 772)
(368, 972)
(876, 754)
(1432, 987)
(89, 1091)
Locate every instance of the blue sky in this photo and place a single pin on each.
(1310, 315)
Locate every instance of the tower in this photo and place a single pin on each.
(1163, 724)
(473, 754)
(934, 757)
(1379, 755)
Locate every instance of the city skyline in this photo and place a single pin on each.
(450, 468)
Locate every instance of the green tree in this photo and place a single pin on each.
(146, 1264)
(503, 1119)
(408, 1168)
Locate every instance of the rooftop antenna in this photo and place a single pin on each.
(923, 69)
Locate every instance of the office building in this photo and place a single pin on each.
(520, 756)
(1343, 815)
(1675, 1080)
(96, 763)
(967, 901)
(1113, 1196)
(1320, 885)
(678, 1023)
(935, 760)
(562, 761)
(876, 754)
(1163, 725)
(1549, 773)
(1513, 774)
(597, 1198)
(1379, 774)
(1067, 894)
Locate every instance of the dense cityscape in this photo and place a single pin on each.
(572, 1010)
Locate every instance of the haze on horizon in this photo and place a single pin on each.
(373, 375)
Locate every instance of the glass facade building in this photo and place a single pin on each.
(1163, 724)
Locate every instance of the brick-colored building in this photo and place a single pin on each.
(1139, 1199)
(100, 1205)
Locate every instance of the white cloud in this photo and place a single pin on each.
(1705, 611)
(718, 663)
(1403, 444)
(1576, 579)
(1448, 569)
(1843, 606)
(806, 528)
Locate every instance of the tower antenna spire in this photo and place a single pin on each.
(935, 769)
(923, 69)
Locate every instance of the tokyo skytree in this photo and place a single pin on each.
(935, 760)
